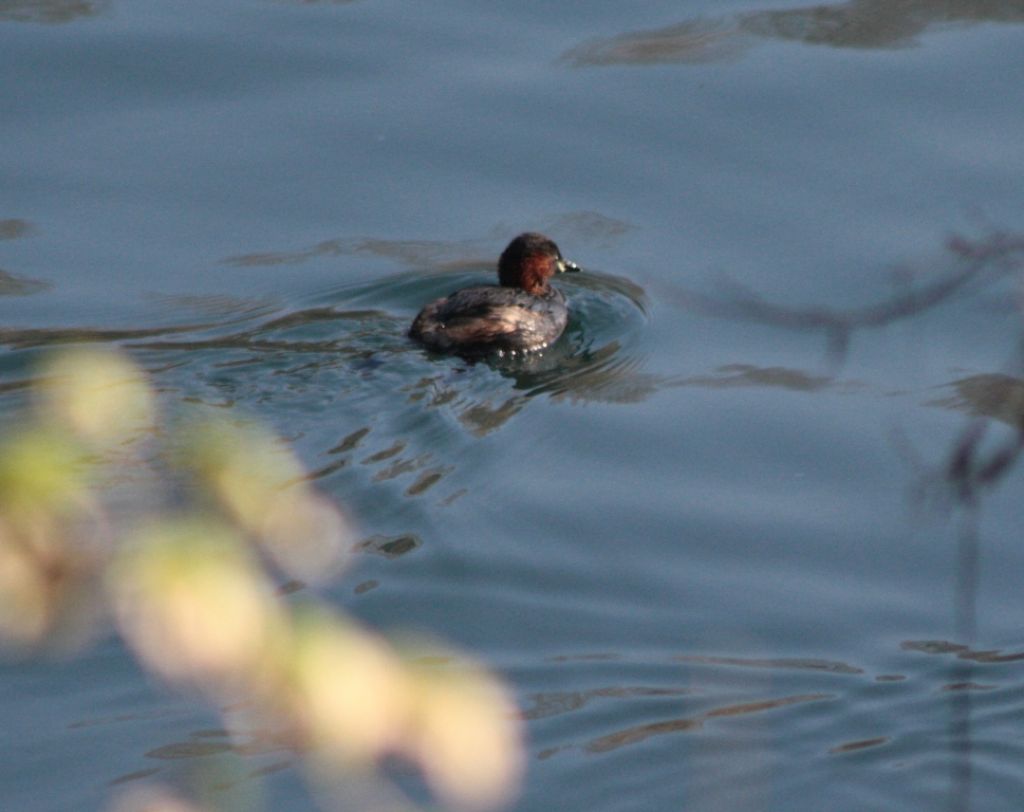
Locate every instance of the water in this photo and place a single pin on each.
(714, 557)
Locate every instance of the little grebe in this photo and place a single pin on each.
(523, 313)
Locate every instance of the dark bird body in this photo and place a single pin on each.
(521, 314)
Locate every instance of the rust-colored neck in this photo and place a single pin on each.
(534, 274)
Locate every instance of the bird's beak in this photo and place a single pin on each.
(565, 266)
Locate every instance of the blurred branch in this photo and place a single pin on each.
(190, 580)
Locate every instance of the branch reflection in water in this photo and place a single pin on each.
(856, 24)
(974, 465)
(50, 11)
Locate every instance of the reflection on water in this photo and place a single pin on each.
(11, 285)
(606, 375)
(855, 24)
(742, 375)
(974, 464)
(408, 434)
(49, 336)
(189, 749)
(590, 363)
(774, 663)
(49, 11)
(390, 547)
(557, 703)
(640, 733)
(905, 712)
(877, 23)
(13, 229)
(214, 306)
(993, 395)
(968, 686)
(905, 704)
(349, 345)
(215, 744)
(863, 744)
(961, 651)
(349, 348)
(692, 42)
(136, 775)
(972, 264)
(587, 227)
(425, 253)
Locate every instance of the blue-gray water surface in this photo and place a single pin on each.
(747, 538)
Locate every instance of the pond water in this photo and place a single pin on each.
(710, 538)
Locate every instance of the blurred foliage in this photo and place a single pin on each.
(190, 580)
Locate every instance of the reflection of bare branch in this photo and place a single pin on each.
(390, 546)
(37, 337)
(775, 663)
(560, 702)
(962, 651)
(693, 42)
(854, 24)
(48, 11)
(982, 260)
(973, 464)
(985, 397)
(11, 285)
(214, 305)
(640, 733)
(876, 23)
(731, 376)
(588, 226)
(972, 468)
(13, 229)
(424, 253)
(993, 395)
